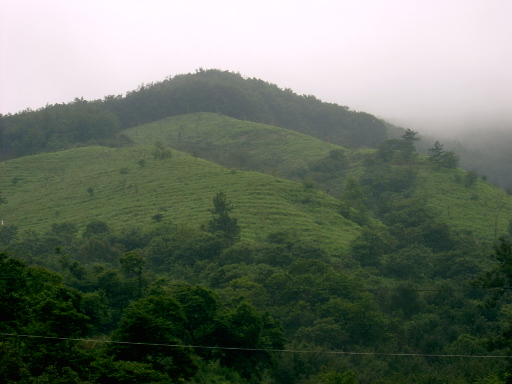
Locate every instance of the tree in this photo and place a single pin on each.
(499, 278)
(251, 331)
(155, 320)
(373, 243)
(435, 153)
(446, 159)
(3, 200)
(334, 377)
(33, 301)
(8, 234)
(160, 152)
(96, 228)
(129, 372)
(470, 178)
(132, 265)
(352, 203)
(408, 151)
(200, 306)
(410, 136)
(499, 281)
(449, 160)
(221, 222)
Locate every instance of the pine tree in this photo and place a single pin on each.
(221, 222)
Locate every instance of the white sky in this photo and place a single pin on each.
(430, 65)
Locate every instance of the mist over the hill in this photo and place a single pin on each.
(439, 68)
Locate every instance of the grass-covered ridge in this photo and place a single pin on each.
(127, 187)
(234, 143)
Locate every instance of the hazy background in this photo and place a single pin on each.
(434, 66)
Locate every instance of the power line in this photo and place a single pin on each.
(262, 349)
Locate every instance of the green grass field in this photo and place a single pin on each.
(97, 183)
(233, 143)
(483, 209)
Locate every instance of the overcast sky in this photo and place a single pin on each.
(430, 65)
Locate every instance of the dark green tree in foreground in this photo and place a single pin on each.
(499, 279)
(499, 282)
(221, 223)
(33, 301)
(157, 322)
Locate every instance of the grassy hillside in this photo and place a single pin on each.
(234, 143)
(128, 187)
(482, 209)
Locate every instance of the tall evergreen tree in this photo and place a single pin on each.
(221, 222)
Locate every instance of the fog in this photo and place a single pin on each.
(437, 67)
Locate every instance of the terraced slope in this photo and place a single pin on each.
(128, 187)
(234, 143)
(483, 209)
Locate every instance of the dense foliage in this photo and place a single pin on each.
(171, 295)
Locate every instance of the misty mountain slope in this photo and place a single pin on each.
(234, 143)
(488, 152)
(127, 187)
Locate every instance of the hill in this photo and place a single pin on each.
(128, 186)
(102, 183)
(62, 126)
(127, 230)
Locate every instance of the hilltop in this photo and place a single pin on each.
(102, 122)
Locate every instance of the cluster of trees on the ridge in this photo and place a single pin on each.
(56, 127)
(404, 287)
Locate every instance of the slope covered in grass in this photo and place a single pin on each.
(483, 209)
(127, 187)
(234, 143)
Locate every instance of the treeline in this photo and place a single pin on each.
(82, 122)
(404, 287)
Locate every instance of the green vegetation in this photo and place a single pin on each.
(86, 184)
(234, 143)
(481, 209)
(58, 127)
(206, 249)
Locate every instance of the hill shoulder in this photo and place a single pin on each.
(234, 143)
